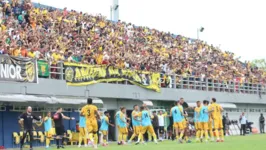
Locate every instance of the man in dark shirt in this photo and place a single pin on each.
(155, 123)
(262, 123)
(27, 119)
(184, 104)
(58, 118)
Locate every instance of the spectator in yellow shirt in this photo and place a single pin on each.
(56, 57)
(31, 53)
(16, 52)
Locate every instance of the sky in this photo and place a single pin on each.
(238, 26)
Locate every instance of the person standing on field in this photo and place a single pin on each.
(262, 123)
(243, 122)
(155, 123)
(161, 121)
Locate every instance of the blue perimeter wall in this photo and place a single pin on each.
(9, 124)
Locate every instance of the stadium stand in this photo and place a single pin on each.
(60, 35)
(55, 36)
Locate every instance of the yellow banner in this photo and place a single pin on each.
(83, 74)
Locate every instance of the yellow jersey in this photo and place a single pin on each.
(197, 109)
(89, 111)
(217, 113)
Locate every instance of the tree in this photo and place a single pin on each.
(260, 63)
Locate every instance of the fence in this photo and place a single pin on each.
(179, 82)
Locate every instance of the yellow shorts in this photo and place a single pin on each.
(137, 129)
(197, 125)
(149, 129)
(218, 123)
(123, 130)
(48, 134)
(92, 126)
(179, 125)
(104, 132)
(204, 125)
(82, 131)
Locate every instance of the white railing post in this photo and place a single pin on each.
(174, 80)
(207, 85)
(62, 70)
(49, 67)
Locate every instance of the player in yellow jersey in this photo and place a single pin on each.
(177, 113)
(197, 120)
(117, 120)
(210, 124)
(82, 130)
(146, 124)
(217, 120)
(123, 125)
(136, 122)
(90, 111)
(204, 118)
(48, 128)
(104, 127)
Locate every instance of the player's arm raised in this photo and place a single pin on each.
(37, 118)
(67, 118)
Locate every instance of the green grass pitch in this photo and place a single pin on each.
(249, 142)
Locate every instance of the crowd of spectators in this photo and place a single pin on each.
(62, 35)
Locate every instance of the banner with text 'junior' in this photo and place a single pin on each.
(18, 69)
(83, 74)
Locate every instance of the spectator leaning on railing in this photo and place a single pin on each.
(61, 35)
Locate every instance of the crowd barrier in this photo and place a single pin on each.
(176, 82)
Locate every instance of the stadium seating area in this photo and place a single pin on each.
(62, 35)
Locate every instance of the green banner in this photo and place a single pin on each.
(43, 68)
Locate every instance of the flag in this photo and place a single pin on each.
(43, 68)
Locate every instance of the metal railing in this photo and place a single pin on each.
(190, 83)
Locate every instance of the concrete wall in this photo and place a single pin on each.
(116, 95)
(120, 91)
